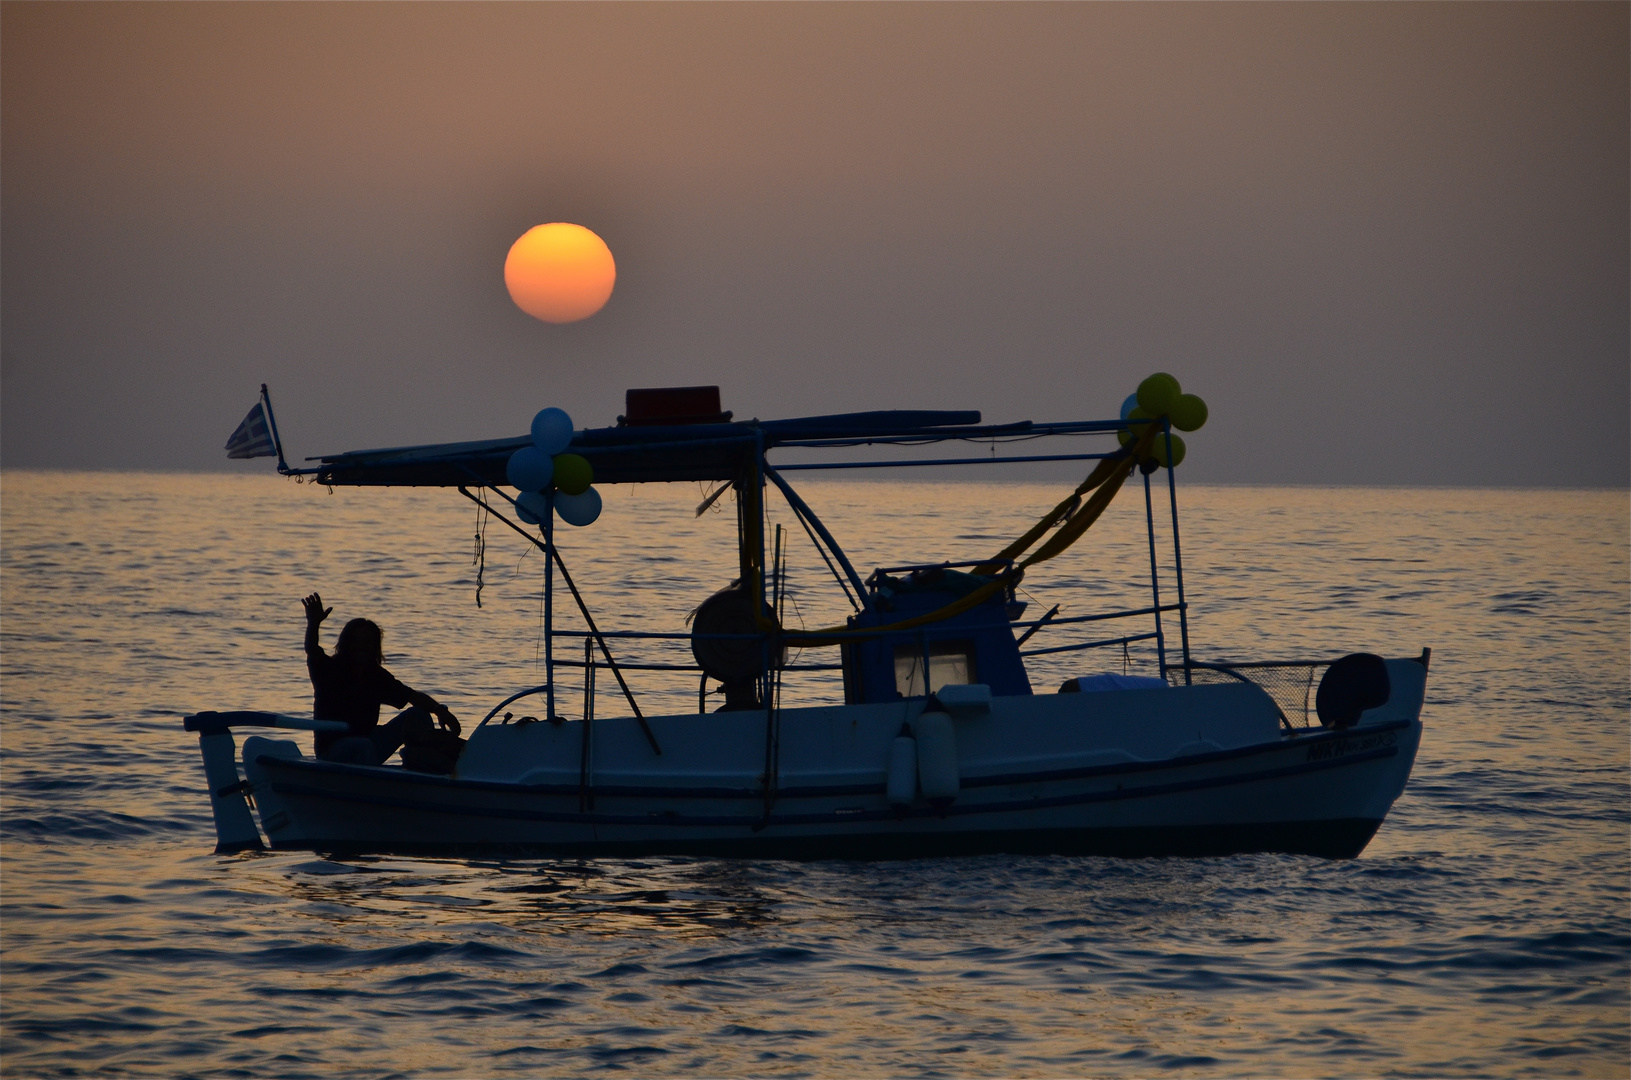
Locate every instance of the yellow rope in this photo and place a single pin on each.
(1099, 475)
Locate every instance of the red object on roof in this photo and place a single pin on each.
(672, 405)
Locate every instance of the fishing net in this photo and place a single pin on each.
(1291, 684)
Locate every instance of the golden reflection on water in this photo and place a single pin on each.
(680, 900)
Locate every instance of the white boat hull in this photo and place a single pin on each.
(1202, 770)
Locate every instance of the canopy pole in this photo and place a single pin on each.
(586, 791)
(767, 679)
(1177, 556)
(1155, 578)
(806, 514)
(836, 576)
(583, 609)
(549, 601)
(773, 687)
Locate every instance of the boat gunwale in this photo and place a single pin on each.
(401, 775)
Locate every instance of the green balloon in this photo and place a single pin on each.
(1189, 413)
(1159, 450)
(1128, 434)
(1158, 394)
(573, 474)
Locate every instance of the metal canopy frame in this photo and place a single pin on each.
(738, 453)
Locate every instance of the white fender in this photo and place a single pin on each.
(937, 758)
(902, 787)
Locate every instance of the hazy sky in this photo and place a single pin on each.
(1389, 243)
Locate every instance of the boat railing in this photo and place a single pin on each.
(1046, 623)
(686, 635)
(672, 640)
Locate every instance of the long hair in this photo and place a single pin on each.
(360, 641)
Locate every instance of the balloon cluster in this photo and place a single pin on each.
(537, 468)
(1158, 396)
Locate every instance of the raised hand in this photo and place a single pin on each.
(315, 611)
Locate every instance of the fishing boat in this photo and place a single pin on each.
(940, 745)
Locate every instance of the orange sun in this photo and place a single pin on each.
(560, 273)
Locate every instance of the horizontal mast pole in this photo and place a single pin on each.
(908, 462)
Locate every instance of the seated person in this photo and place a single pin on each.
(351, 685)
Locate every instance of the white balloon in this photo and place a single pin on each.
(578, 509)
(551, 431)
(530, 469)
(531, 506)
(1129, 405)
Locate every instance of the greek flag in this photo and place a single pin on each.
(253, 437)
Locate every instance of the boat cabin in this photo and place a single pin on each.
(974, 646)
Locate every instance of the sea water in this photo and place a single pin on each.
(1484, 931)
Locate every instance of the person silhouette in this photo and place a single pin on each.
(351, 685)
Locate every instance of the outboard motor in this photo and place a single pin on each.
(736, 662)
(1357, 682)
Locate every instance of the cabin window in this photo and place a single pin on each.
(951, 663)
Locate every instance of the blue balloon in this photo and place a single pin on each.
(551, 431)
(531, 507)
(1129, 405)
(578, 509)
(530, 469)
